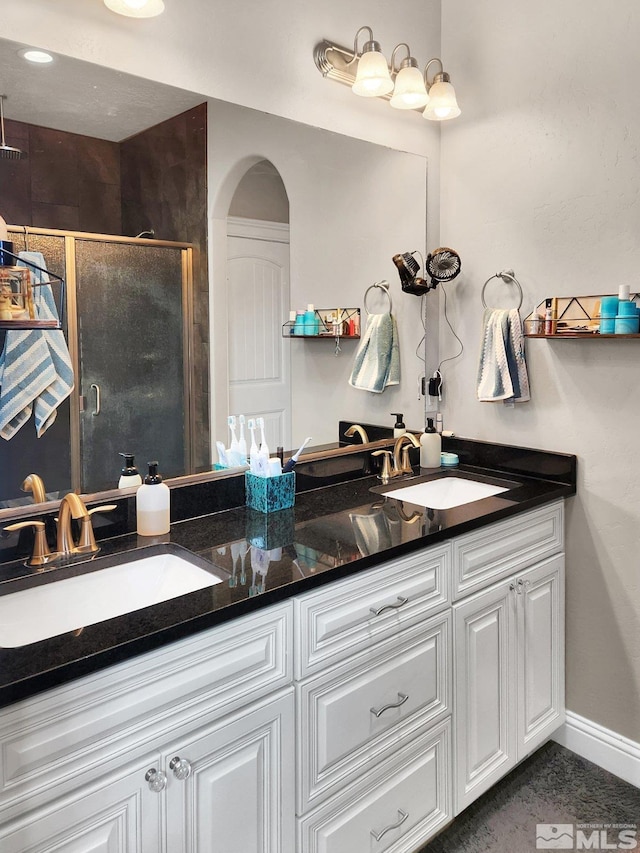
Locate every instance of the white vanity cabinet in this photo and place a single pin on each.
(509, 659)
(80, 761)
(373, 702)
(359, 716)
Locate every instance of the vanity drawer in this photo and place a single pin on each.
(51, 738)
(416, 782)
(499, 550)
(351, 615)
(357, 713)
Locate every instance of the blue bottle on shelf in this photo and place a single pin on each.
(311, 321)
(299, 327)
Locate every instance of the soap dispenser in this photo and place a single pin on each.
(430, 446)
(129, 475)
(152, 504)
(398, 428)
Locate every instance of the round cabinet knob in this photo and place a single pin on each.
(157, 780)
(181, 767)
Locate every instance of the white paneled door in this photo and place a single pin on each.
(258, 305)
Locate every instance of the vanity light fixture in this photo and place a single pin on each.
(136, 8)
(406, 87)
(40, 57)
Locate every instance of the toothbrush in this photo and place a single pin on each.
(234, 449)
(289, 465)
(222, 454)
(253, 450)
(242, 442)
(264, 447)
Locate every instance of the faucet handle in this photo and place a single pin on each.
(41, 554)
(386, 464)
(87, 540)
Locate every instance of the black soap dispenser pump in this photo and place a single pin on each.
(129, 475)
(398, 428)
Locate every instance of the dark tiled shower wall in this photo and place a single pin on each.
(164, 188)
(66, 181)
(154, 180)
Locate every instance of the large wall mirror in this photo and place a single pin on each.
(205, 175)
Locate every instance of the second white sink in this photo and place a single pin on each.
(445, 492)
(53, 608)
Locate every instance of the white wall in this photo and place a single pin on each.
(352, 206)
(542, 173)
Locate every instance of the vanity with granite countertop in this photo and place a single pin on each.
(359, 670)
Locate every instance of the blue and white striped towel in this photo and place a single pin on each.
(35, 367)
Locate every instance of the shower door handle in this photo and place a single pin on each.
(96, 388)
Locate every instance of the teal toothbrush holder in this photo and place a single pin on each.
(270, 494)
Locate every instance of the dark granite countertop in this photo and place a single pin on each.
(332, 532)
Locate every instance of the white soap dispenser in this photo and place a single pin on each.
(398, 428)
(152, 504)
(129, 475)
(430, 446)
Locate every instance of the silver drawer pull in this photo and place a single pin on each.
(402, 816)
(402, 698)
(401, 603)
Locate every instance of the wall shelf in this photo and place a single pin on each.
(333, 324)
(577, 319)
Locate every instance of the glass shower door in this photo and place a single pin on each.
(133, 357)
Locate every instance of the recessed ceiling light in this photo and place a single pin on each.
(136, 8)
(38, 56)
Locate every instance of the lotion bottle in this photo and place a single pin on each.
(430, 446)
(152, 504)
(129, 476)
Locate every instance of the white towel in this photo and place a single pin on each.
(502, 372)
(377, 361)
(35, 367)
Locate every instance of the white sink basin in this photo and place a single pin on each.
(445, 492)
(49, 609)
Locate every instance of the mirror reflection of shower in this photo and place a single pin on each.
(258, 299)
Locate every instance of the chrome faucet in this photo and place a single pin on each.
(356, 429)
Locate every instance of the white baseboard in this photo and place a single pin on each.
(609, 750)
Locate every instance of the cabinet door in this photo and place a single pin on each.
(120, 816)
(486, 695)
(239, 796)
(541, 653)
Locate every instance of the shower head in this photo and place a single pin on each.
(7, 152)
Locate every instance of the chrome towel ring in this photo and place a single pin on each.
(384, 287)
(507, 276)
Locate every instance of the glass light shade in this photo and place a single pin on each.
(373, 78)
(442, 102)
(39, 56)
(136, 8)
(409, 92)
